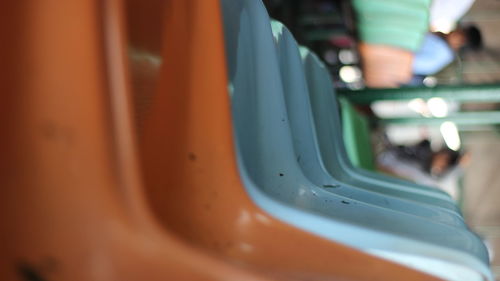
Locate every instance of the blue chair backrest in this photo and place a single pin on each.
(268, 163)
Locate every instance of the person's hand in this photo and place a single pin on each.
(385, 66)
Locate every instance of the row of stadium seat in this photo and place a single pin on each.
(195, 140)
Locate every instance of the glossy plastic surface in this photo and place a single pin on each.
(319, 84)
(71, 198)
(268, 163)
(191, 171)
(328, 127)
(295, 89)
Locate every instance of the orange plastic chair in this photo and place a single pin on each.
(71, 202)
(189, 163)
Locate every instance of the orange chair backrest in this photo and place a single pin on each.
(71, 203)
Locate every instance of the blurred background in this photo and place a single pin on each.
(451, 142)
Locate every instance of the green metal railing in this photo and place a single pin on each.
(465, 93)
(460, 118)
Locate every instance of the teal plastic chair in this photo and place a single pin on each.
(328, 127)
(274, 180)
(307, 150)
(356, 135)
(320, 84)
(301, 124)
(332, 152)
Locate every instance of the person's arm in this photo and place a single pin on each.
(386, 66)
